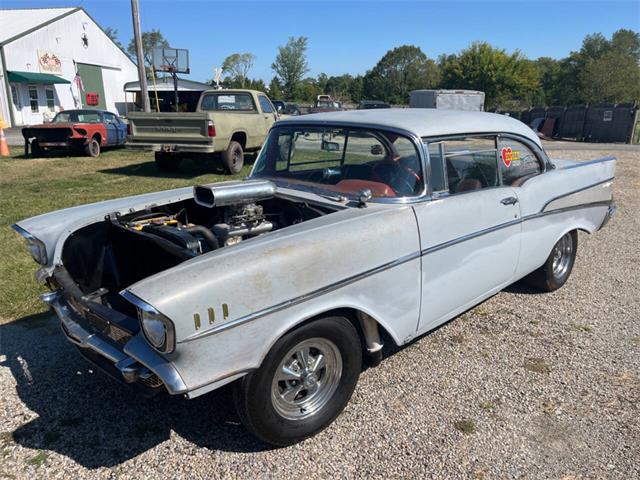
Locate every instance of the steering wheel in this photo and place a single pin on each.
(398, 176)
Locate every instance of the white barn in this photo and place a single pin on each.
(41, 52)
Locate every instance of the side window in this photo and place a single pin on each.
(517, 162)
(436, 161)
(470, 163)
(110, 118)
(265, 104)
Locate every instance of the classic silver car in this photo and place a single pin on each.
(351, 224)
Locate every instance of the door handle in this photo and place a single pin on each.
(509, 201)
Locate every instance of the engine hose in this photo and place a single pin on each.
(211, 239)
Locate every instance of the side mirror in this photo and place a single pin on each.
(330, 146)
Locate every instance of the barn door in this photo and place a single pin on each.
(91, 76)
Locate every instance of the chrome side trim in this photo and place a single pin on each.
(347, 281)
(608, 158)
(575, 191)
(471, 236)
(301, 298)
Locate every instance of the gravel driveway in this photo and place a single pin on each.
(525, 385)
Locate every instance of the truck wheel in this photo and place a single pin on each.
(556, 270)
(303, 384)
(92, 148)
(36, 149)
(233, 158)
(167, 162)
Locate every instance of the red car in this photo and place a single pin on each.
(76, 130)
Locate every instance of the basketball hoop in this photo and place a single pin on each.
(173, 61)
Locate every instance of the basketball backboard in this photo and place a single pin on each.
(172, 60)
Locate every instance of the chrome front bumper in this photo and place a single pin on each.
(136, 362)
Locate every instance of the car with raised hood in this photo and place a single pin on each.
(224, 125)
(84, 130)
(353, 227)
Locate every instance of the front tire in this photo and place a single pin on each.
(304, 383)
(556, 270)
(233, 158)
(92, 148)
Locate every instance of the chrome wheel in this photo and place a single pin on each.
(306, 378)
(562, 255)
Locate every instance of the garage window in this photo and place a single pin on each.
(51, 104)
(33, 99)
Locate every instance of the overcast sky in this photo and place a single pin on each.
(351, 36)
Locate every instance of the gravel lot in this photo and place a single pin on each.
(525, 385)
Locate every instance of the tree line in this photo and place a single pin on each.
(603, 70)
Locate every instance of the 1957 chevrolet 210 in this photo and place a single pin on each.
(351, 223)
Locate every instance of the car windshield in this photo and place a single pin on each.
(342, 160)
(78, 116)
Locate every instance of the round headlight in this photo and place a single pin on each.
(154, 329)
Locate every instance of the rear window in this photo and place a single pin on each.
(221, 102)
(77, 117)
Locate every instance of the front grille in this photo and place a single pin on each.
(100, 325)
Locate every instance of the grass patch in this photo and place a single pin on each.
(537, 365)
(30, 187)
(38, 460)
(487, 405)
(636, 340)
(481, 312)
(465, 426)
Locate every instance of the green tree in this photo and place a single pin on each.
(614, 77)
(237, 65)
(112, 33)
(508, 80)
(307, 90)
(275, 91)
(398, 72)
(356, 89)
(291, 65)
(150, 40)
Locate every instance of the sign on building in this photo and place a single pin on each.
(49, 62)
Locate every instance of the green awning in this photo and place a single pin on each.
(33, 77)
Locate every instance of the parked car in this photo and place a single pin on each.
(324, 103)
(226, 124)
(76, 130)
(371, 104)
(286, 108)
(350, 224)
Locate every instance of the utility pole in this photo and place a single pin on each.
(142, 74)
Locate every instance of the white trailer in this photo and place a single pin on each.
(472, 100)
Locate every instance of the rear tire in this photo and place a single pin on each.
(289, 398)
(233, 158)
(556, 270)
(92, 148)
(167, 162)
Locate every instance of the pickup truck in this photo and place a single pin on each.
(226, 124)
